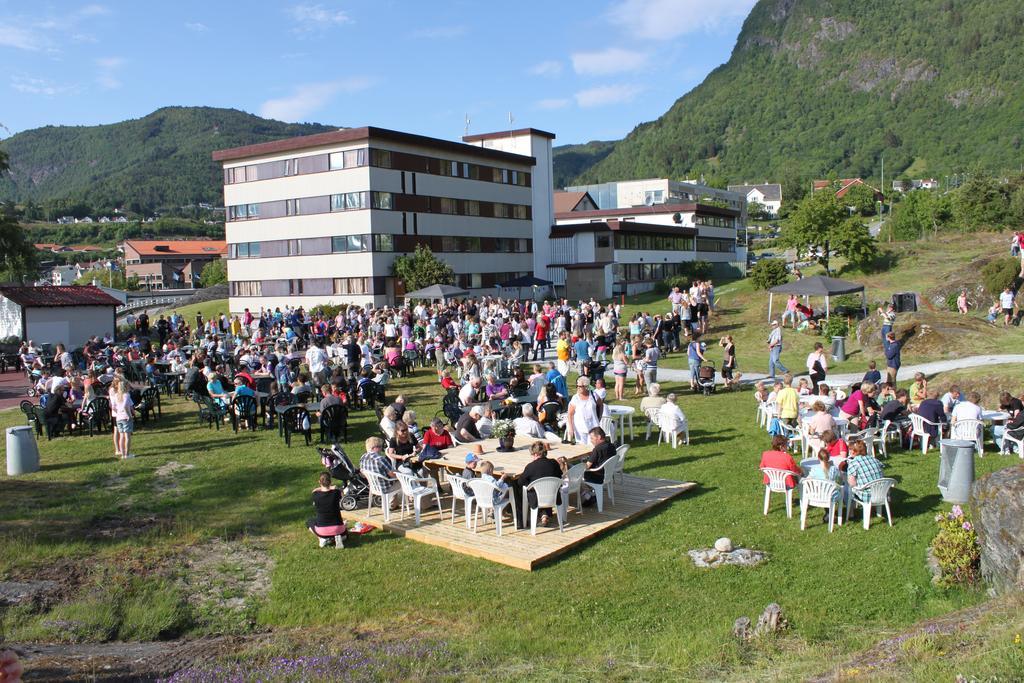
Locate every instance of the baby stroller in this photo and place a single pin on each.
(706, 377)
(355, 490)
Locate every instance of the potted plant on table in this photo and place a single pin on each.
(505, 432)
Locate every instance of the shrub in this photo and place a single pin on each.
(951, 302)
(329, 310)
(836, 326)
(999, 274)
(769, 273)
(956, 549)
(690, 271)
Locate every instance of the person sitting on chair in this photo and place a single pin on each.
(376, 462)
(778, 458)
(540, 467)
(601, 452)
(527, 425)
(932, 410)
(486, 469)
(671, 417)
(437, 436)
(387, 422)
(327, 525)
(466, 428)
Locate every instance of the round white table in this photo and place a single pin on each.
(621, 412)
(994, 416)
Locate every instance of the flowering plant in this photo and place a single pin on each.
(503, 428)
(956, 548)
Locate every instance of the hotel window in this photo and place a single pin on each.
(471, 244)
(515, 177)
(465, 170)
(246, 288)
(351, 285)
(254, 210)
(449, 206)
(381, 158)
(471, 207)
(381, 200)
(383, 242)
(450, 244)
(352, 158)
(295, 287)
(294, 248)
(350, 243)
(503, 246)
(348, 201)
(500, 210)
(519, 211)
(602, 241)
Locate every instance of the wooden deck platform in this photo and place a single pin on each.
(518, 548)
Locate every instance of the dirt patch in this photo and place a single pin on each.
(225, 581)
(53, 582)
(117, 527)
(165, 481)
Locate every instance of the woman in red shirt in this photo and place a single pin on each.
(777, 458)
(437, 436)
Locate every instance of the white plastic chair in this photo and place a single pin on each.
(574, 484)
(652, 421)
(552, 437)
(918, 432)
(608, 484)
(820, 493)
(759, 416)
(769, 409)
(1017, 441)
(777, 484)
(807, 463)
(379, 488)
(795, 437)
(869, 436)
(889, 431)
(418, 488)
(483, 495)
(620, 466)
(546, 490)
(878, 494)
(970, 430)
(459, 493)
(609, 427)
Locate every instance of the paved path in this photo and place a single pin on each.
(906, 372)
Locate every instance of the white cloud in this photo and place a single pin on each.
(613, 60)
(308, 98)
(94, 10)
(310, 18)
(39, 86)
(553, 103)
(196, 26)
(441, 32)
(607, 94)
(666, 19)
(14, 36)
(551, 67)
(108, 68)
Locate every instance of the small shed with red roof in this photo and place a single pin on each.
(57, 315)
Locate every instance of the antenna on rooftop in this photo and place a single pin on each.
(467, 125)
(510, 120)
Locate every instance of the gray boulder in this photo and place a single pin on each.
(997, 507)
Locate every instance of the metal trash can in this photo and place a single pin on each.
(956, 469)
(22, 452)
(839, 349)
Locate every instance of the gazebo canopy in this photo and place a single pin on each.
(818, 285)
(437, 292)
(527, 281)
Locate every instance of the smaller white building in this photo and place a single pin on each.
(56, 315)
(768, 195)
(61, 276)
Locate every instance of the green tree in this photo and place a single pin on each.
(769, 273)
(214, 273)
(861, 198)
(811, 226)
(109, 278)
(20, 258)
(852, 239)
(998, 274)
(920, 212)
(422, 269)
(981, 203)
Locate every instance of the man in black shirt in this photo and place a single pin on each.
(540, 467)
(53, 411)
(603, 450)
(465, 428)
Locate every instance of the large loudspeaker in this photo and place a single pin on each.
(905, 302)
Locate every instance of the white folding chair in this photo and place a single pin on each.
(918, 431)
(546, 490)
(1010, 440)
(777, 484)
(483, 495)
(379, 487)
(970, 430)
(418, 488)
(574, 484)
(459, 493)
(607, 484)
(877, 494)
(820, 493)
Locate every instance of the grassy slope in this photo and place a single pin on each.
(208, 308)
(628, 605)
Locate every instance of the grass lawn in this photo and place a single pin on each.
(209, 309)
(151, 549)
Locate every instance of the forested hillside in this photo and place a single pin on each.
(819, 86)
(572, 160)
(160, 160)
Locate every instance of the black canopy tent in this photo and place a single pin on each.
(520, 283)
(818, 285)
(437, 292)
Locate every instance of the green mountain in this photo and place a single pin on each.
(820, 86)
(159, 160)
(570, 161)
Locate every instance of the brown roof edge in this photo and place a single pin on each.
(583, 266)
(567, 230)
(477, 137)
(343, 135)
(656, 209)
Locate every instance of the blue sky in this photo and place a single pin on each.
(582, 70)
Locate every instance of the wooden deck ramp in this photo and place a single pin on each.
(518, 548)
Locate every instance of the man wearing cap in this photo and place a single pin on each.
(775, 350)
(466, 428)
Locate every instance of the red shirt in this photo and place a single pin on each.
(781, 460)
(439, 441)
(449, 383)
(838, 449)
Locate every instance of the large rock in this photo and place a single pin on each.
(997, 506)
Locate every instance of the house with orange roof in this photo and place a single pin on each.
(169, 264)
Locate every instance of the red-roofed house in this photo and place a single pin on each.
(844, 186)
(574, 201)
(56, 315)
(169, 264)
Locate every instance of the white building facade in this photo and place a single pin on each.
(320, 219)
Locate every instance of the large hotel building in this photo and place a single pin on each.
(320, 218)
